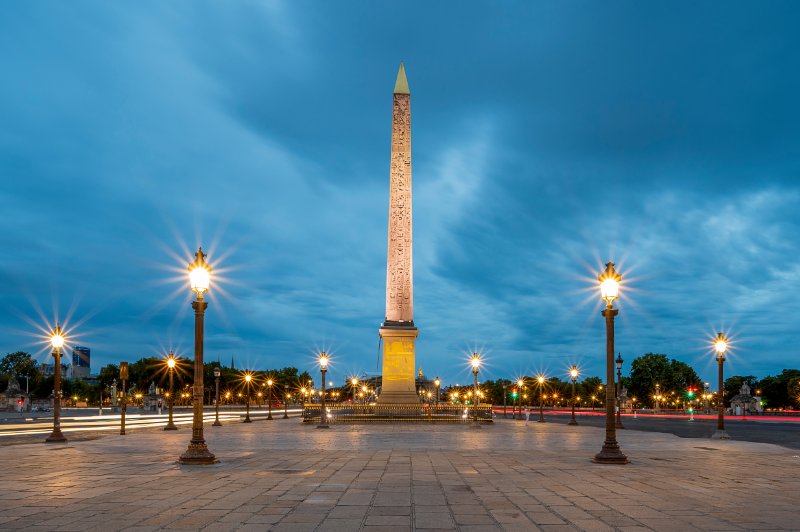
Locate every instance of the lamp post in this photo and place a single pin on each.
(437, 383)
(618, 363)
(199, 276)
(721, 346)
(658, 397)
(323, 365)
(354, 385)
(123, 376)
(247, 379)
(285, 401)
(171, 369)
(504, 399)
(541, 380)
(217, 373)
(706, 397)
(269, 399)
(609, 289)
(57, 341)
(573, 376)
(476, 364)
(520, 386)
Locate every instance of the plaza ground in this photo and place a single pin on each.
(281, 475)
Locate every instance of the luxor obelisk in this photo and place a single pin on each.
(398, 331)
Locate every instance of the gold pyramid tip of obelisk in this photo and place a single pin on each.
(401, 86)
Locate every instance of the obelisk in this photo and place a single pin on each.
(398, 331)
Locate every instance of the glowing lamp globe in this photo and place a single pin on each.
(475, 361)
(573, 373)
(171, 362)
(323, 360)
(609, 283)
(57, 338)
(720, 344)
(199, 273)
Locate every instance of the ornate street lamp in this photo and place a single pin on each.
(354, 385)
(618, 363)
(285, 401)
(269, 399)
(541, 380)
(123, 377)
(573, 376)
(609, 289)
(199, 277)
(520, 386)
(476, 365)
(171, 369)
(438, 384)
(721, 346)
(217, 374)
(323, 365)
(57, 342)
(247, 379)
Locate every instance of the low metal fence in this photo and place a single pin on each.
(398, 413)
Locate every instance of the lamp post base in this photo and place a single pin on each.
(286, 416)
(323, 426)
(269, 417)
(247, 420)
(720, 434)
(216, 424)
(573, 421)
(171, 426)
(610, 454)
(197, 454)
(56, 437)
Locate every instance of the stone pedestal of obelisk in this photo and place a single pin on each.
(398, 331)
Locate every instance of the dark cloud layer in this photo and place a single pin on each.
(548, 139)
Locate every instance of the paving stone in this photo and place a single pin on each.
(510, 476)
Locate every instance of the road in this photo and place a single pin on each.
(82, 423)
(783, 431)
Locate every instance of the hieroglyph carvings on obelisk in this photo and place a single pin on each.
(398, 331)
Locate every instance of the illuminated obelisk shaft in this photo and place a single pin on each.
(398, 331)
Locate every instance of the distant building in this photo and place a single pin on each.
(81, 362)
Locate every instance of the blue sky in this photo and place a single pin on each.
(548, 138)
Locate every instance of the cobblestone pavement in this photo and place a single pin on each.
(280, 475)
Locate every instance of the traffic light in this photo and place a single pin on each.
(690, 393)
(514, 393)
(21, 401)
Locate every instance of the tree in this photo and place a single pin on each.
(18, 363)
(654, 368)
(776, 390)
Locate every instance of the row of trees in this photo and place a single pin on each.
(141, 374)
(780, 391)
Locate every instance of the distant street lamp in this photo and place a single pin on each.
(269, 398)
(285, 401)
(573, 376)
(505, 393)
(123, 377)
(199, 275)
(217, 373)
(541, 380)
(57, 342)
(618, 362)
(354, 385)
(437, 383)
(476, 364)
(171, 370)
(247, 379)
(520, 386)
(609, 289)
(323, 418)
(721, 346)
